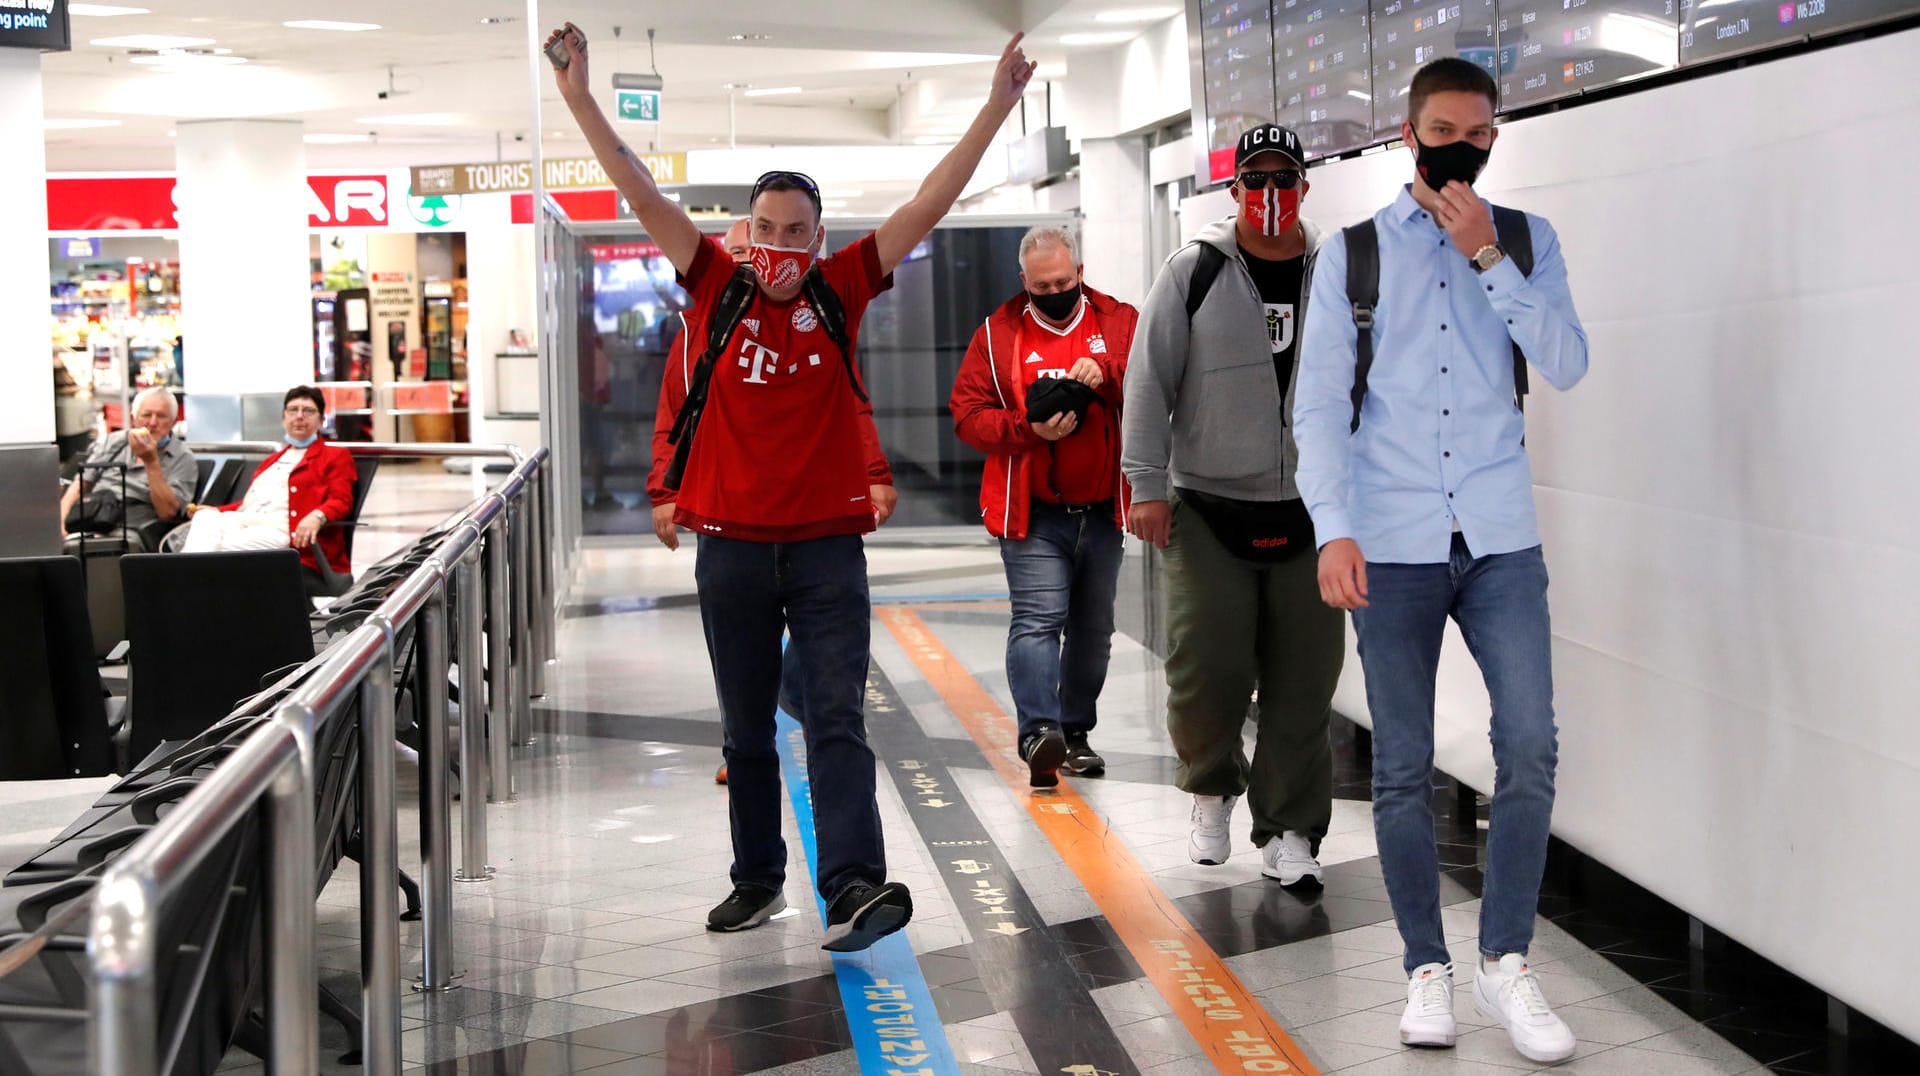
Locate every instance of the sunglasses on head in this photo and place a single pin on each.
(1284, 179)
(797, 179)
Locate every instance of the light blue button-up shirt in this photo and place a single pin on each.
(1440, 445)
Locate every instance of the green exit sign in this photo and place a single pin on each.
(639, 106)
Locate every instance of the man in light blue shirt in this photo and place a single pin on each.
(1424, 510)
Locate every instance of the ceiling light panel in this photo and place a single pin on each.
(325, 24)
(104, 11)
(1137, 14)
(413, 119)
(150, 41)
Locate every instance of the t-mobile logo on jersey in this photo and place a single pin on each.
(765, 361)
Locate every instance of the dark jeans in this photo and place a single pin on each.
(1500, 603)
(750, 593)
(1062, 578)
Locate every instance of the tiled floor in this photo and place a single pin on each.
(586, 951)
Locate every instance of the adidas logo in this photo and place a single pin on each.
(752, 324)
(1033, 357)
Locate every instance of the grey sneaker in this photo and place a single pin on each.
(863, 914)
(1082, 760)
(746, 907)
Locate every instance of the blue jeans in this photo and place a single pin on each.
(1062, 578)
(750, 594)
(1500, 603)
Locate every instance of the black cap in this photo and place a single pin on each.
(1268, 138)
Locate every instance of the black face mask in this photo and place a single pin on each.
(1440, 165)
(1057, 306)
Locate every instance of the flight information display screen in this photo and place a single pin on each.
(1409, 33)
(1721, 28)
(1236, 52)
(1551, 49)
(1322, 74)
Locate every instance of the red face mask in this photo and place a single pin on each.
(1270, 211)
(781, 267)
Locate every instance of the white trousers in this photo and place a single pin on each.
(229, 532)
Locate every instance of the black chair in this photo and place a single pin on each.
(53, 712)
(333, 583)
(209, 969)
(202, 631)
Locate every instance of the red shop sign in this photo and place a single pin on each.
(146, 203)
(620, 252)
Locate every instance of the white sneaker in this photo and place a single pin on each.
(1212, 840)
(1289, 858)
(1428, 1019)
(1512, 996)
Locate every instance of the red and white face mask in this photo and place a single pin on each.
(781, 267)
(1270, 210)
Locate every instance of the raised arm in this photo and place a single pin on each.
(910, 223)
(667, 224)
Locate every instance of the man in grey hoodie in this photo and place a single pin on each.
(1207, 448)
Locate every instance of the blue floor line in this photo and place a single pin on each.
(917, 599)
(896, 1029)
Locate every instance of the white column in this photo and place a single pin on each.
(246, 283)
(26, 407)
(1116, 195)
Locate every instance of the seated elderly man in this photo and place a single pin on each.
(294, 494)
(160, 473)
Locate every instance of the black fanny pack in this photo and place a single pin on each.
(1254, 530)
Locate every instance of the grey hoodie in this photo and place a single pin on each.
(1229, 433)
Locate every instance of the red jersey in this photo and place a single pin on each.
(1084, 466)
(781, 453)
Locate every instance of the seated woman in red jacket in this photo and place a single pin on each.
(294, 494)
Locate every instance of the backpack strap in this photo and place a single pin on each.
(726, 317)
(1516, 238)
(1205, 270)
(1363, 291)
(833, 321)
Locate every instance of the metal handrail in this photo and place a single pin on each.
(276, 762)
(124, 1027)
(374, 448)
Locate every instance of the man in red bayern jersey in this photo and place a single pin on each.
(776, 488)
(674, 386)
(1039, 392)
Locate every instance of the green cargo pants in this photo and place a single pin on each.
(1235, 626)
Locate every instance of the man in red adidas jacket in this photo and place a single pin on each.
(776, 487)
(1052, 492)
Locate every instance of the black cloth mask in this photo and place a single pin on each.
(1057, 306)
(1440, 165)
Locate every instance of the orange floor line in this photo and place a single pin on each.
(1236, 1032)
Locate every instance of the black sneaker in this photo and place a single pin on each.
(747, 907)
(863, 914)
(1082, 760)
(1043, 751)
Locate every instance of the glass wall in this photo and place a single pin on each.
(910, 347)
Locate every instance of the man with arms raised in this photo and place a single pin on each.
(776, 486)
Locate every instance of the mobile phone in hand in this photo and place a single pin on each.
(558, 53)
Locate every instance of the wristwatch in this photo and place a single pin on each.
(1487, 257)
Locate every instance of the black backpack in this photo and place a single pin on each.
(735, 299)
(1363, 290)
